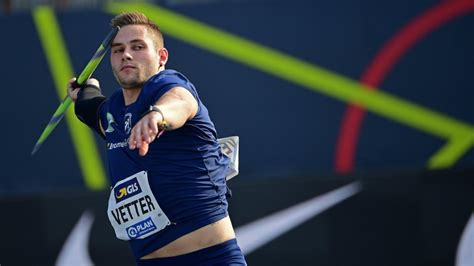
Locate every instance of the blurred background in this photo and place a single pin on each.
(355, 121)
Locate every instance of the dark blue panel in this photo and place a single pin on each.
(285, 129)
(29, 101)
(437, 71)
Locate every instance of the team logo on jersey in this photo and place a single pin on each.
(127, 123)
(110, 121)
(127, 190)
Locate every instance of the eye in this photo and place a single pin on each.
(137, 47)
(118, 50)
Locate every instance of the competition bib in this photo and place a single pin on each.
(133, 210)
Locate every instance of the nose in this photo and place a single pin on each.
(126, 55)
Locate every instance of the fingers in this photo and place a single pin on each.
(135, 139)
(131, 140)
(150, 130)
(72, 83)
(72, 90)
(144, 133)
(143, 149)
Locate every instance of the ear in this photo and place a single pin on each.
(163, 54)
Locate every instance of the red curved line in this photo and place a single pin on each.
(383, 62)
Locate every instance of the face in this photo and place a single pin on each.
(134, 57)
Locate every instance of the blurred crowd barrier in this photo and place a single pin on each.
(414, 219)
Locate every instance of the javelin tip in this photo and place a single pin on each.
(35, 149)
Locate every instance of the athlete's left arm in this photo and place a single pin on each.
(177, 106)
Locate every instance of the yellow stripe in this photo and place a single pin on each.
(450, 152)
(307, 75)
(59, 63)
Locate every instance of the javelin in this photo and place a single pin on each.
(85, 74)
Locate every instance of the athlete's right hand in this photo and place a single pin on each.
(73, 88)
(145, 131)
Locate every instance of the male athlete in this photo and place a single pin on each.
(165, 164)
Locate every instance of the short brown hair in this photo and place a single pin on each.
(137, 18)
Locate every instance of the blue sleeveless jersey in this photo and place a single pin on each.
(186, 169)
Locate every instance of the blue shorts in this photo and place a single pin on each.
(227, 253)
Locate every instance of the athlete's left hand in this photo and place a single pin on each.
(145, 132)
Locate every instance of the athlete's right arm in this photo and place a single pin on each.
(88, 100)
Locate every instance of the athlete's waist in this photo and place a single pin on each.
(204, 237)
